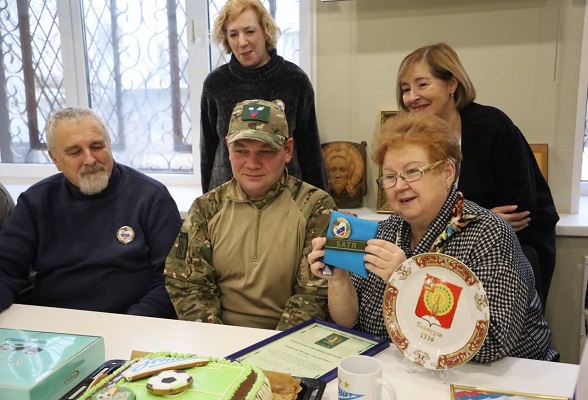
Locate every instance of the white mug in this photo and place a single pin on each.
(360, 377)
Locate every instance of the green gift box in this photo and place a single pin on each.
(45, 365)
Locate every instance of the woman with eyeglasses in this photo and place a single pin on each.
(499, 170)
(420, 163)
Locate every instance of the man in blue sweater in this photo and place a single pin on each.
(95, 235)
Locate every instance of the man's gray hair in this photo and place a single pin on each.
(70, 113)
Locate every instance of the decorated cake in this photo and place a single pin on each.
(186, 377)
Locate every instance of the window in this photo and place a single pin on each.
(583, 80)
(585, 152)
(139, 63)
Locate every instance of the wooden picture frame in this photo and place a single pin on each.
(540, 151)
(457, 392)
(345, 163)
(382, 206)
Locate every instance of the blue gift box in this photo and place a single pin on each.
(346, 240)
(45, 365)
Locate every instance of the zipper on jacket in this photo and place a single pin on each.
(257, 234)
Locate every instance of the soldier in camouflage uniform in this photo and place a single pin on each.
(241, 255)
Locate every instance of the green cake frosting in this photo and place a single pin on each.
(220, 379)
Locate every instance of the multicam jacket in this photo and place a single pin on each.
(243, 262)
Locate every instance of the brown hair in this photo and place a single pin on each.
(426, 131)
(444, 64)
(231, 10)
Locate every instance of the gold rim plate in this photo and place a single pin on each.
(436, 311)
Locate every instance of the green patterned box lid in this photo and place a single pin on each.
(45, 364)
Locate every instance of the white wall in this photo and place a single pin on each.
(508, 47)
(524, 57)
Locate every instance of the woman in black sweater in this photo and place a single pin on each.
(499, 170)
(247, 31)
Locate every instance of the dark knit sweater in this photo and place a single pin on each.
(498, 169)
(70, 240)
(278, 79)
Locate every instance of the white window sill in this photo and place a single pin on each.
(183, 195)
(574, 224)
(568, 225)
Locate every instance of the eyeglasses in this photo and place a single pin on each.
(410, 175)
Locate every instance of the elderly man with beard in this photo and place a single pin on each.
(94, 236)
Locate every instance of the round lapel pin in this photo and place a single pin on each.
(125, 234)
(341, 228)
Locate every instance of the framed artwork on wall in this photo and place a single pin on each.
(384, 115)
(540, 153)
(382, 206)
(346, 172)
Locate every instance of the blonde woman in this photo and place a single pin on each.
(246, 30)
(499, 170)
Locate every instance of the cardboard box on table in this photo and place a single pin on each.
(45, 365)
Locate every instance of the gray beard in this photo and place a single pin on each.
(93, 183)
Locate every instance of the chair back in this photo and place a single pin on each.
(6, 204)
(533, 258)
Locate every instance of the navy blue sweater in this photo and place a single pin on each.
(70, 240)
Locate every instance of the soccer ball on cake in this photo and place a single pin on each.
(169, 382)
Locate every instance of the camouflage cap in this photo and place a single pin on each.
(259, 120)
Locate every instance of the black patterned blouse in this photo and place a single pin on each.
(489, 247)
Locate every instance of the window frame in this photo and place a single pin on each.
(76, 90)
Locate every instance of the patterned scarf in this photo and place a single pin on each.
(457, 222)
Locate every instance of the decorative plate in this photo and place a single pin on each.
(436, 311)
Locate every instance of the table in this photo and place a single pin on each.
(124, 333)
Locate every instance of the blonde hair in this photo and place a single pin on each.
(444, 64)
(231, 10)
(427, 131)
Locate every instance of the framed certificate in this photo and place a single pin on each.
(311, 349)
(540, 152)
(459, 392)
